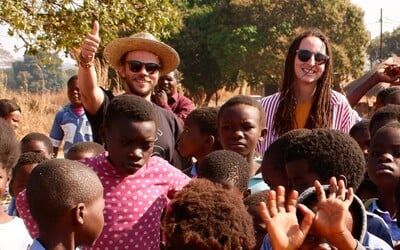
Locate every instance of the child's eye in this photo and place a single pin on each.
(374, 153)
(396, 154)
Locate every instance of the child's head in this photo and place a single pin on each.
(252, 203)
(382, 116)
(227, 168)
(38, 143)
(129, 132)
(393, 98)
(273, 163)
(66, 196)
(9, 153)
(383, 94)
(204, 216)
(83, 150)
(241, 124)
(384, 157)
(355, 221)
(321, 154)
(360, 133)
(22, 170)
(74, 95)
(11, 112)
(199, 136)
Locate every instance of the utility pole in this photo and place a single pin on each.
(380, 41)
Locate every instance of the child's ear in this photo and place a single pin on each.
(263, 133)
(210, 140)
(246, 193)
(80, 213)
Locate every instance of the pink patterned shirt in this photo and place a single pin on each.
(134, 203)
(344, 117)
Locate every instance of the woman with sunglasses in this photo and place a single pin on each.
(306, 98)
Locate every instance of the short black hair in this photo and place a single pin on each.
(7, 106)
(36, 136)
(72, 79)
(384, 93)
(9, 146)
(329, 153)
(275, 153)
(246, 100)
(203, 215)
(28, 158)
(256, 198)
(205, 118)
(361, 125)
(129, 106)
(57, 185)
(227, 168)
(383, 115)
(86, 147)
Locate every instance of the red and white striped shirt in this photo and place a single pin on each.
(344, 117)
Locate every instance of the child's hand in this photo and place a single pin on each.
(282, 225)
(333, 212)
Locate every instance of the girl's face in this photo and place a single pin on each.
(239, 129)
(13, 118)
(384, 157)
(309, 71)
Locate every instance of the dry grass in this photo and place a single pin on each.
(38, 110)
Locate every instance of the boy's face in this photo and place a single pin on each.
(299, 175)
(74, 95)
(37, 147)
(272, 175)
(129, 143)
(4, 178)
(239, 129)
(18, 183)
(192, 143)
(384, 157)
(363, 138)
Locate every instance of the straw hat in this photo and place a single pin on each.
(169, 58)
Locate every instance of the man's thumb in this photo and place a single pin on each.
(96, 27)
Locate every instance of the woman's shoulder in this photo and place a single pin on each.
(270, 98)
(338, 97)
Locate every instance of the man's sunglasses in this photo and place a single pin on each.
(305, 55)
(136, 66)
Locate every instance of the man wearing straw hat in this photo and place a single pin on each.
(139, 60)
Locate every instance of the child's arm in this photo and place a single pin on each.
(280, 217)
(332, 214)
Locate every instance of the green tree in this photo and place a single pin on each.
(39, 73)
(62, 24)
(390, 46)
(247, 41)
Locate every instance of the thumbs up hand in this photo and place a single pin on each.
(91, 43)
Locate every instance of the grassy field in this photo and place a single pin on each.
(38, 110)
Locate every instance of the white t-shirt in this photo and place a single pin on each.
(14, 235)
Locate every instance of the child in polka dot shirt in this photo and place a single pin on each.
(136, 184)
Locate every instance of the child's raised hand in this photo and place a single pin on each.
(280, 217)
(333, 212)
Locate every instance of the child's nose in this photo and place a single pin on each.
(136, 153)
(386, 157)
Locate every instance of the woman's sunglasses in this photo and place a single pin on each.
(305, 55)
(136, 66)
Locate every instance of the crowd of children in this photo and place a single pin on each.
(312, 188)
